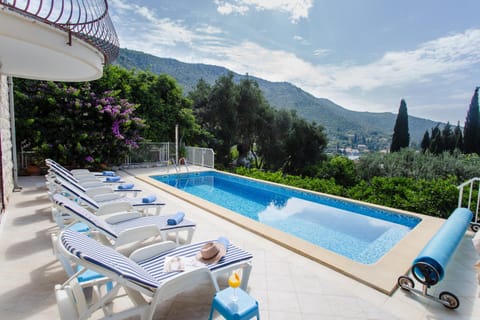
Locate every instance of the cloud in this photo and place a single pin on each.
(209, 30)
(140, 28)
(297, 9)
(302, 40)
(321, 52)
(375, 85)
(442, 56)
(227, 8)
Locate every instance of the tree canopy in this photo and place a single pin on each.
(237, 115)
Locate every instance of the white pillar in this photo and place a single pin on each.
(176, 144)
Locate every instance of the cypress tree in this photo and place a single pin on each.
(425, 142)
(471, 136)
(458, 137)
(401, 136)
(436, 141)
(448, 138)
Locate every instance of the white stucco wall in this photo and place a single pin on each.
(6, 139)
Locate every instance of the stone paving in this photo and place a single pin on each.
(287, 285)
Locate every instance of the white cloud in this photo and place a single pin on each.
(321, 52)
(352, 85)
(227, 8)
(302, 40)
(442, 56)
(296, 8)
(209, 30)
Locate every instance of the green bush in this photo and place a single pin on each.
(435, 197)
(413, 164)
(340, 168)
(315, 184)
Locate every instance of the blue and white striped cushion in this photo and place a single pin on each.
(92, 251)
(154, 265)
(159, 221)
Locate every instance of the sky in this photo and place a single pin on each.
(365, 55)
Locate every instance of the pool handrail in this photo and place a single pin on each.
(475, 224)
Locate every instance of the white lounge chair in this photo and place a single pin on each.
(141, 276)
(81, 176)
(106, 203)
(126, 228)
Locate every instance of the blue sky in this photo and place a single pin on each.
(365, 55)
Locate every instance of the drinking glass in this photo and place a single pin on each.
(234, 282)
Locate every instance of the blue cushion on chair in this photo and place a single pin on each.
(126, 186)
(175, 219)
(113, 179)
(79, 227)
(109, 173)
(149, 199)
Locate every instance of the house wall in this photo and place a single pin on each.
(5, 141)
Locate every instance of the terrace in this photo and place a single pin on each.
(287, 285)
(56, 40)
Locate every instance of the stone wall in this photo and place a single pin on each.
(6, 139)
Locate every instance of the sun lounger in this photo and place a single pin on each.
(108, 203)
(141, 276)
(127, 227)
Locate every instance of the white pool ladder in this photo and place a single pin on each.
(471, 184)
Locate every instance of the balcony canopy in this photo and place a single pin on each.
(59, 40)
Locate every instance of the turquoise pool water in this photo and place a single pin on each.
(356, 231)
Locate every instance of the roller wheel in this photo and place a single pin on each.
(405, 283)
(451, 301)
(425, 273)
(475, 227)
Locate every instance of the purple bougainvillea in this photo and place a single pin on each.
(78, 126)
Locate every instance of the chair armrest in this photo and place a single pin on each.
(99, 190)
(116, 218)
(91, 184)
(152, 250)
(132, 235)
(115, 207)
(106, 196)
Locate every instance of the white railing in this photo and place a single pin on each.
(163, 154)
(470, 186)
(204, 157)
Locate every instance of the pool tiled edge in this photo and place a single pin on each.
(381, 275)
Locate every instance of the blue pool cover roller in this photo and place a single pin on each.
(429, 266)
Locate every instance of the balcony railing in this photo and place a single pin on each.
(87, 20)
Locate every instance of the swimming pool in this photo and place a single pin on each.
(360, 233)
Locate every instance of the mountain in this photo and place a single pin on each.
(345, 128)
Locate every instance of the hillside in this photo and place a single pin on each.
(344, 127)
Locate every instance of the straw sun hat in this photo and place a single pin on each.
(211, 252)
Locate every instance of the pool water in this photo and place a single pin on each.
(358, 232)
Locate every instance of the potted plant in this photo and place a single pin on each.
(33, 169)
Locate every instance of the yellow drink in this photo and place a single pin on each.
(234, 280)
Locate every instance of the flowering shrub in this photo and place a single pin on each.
(75, 125)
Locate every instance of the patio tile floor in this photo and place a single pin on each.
(287, 285)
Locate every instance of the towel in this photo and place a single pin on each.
(79, 227)
(149, 199)
(175, 219)
(223, 241)
(109, 173)
(125, 186)
(113, 179)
